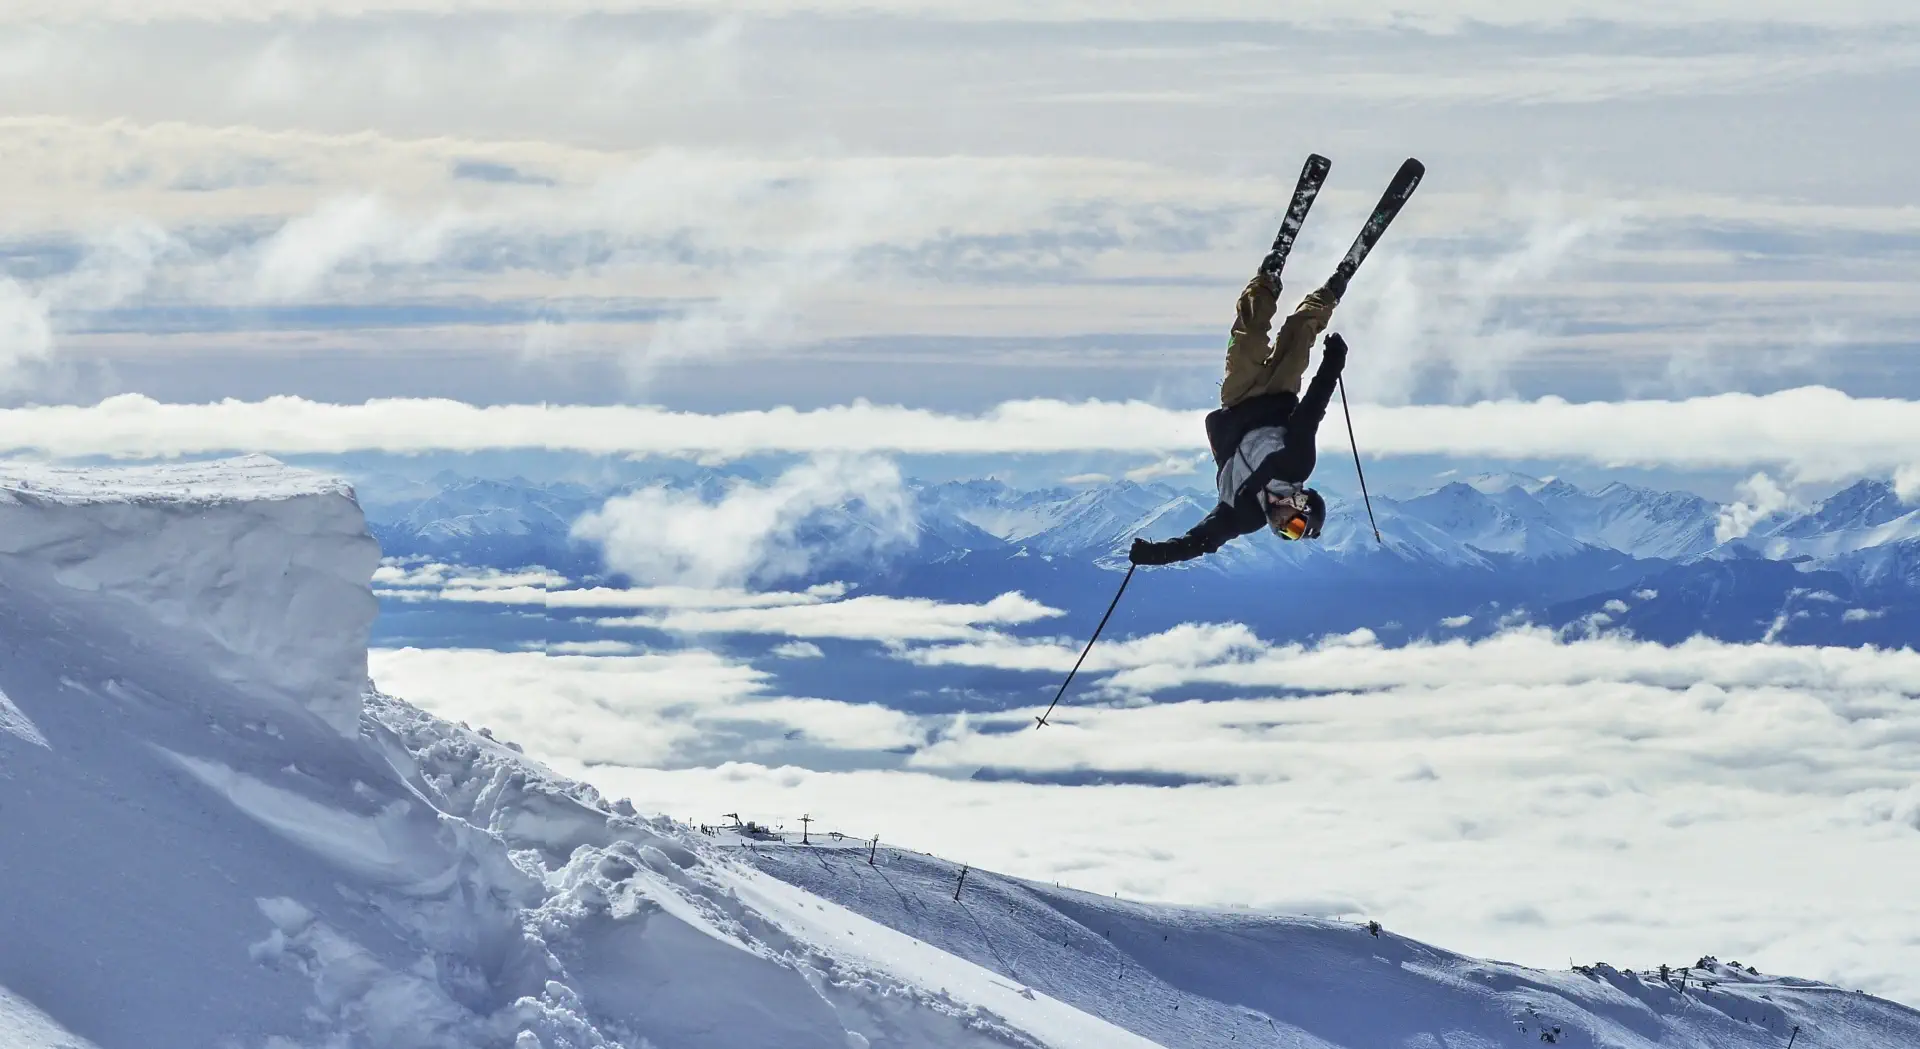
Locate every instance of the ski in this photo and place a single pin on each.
(1404, 182)
(1312, 176)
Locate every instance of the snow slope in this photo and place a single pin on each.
(1197, 979)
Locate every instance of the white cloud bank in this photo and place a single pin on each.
(654, 708)
(829, 507)
(1794, 431)
(871, 617)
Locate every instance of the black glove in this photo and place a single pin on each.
(1334, 353)
(1146, 553)
(1270, 273)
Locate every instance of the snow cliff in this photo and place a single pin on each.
(261, 569)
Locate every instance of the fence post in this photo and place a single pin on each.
(873, 848)
(963, 881)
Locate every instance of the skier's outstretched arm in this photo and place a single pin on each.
(1204, 538)
(1305, 421)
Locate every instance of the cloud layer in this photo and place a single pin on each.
(1811, 433)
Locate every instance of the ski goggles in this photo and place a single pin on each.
(1287, 511)
(1294, 526)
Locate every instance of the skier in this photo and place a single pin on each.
(1262, 435)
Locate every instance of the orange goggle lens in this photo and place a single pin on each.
(1294, 527)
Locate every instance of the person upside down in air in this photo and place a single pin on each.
(1262, 435)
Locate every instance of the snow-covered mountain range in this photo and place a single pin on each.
(1494, 548)
(213, 833)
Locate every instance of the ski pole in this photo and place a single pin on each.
(1042, 719)
(1355, 445)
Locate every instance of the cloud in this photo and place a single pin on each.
(870, 617)
(26, 328)
(462, 578)
(1440, 310)
(298, 259)
(1228, 654)
(1172, 466)
(828, 508)
(1906, 484)
(108, 268)
(1760, 498)
(648, 708)
(1789, 430)
(441, 582)
(797, 650)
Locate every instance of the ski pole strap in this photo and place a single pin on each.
(1042, 719)
(1362, 474)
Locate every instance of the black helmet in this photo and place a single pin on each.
(1294, 512)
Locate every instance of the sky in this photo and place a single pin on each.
(943, 205)
(1675, 236)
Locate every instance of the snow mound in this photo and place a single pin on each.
(261, 568)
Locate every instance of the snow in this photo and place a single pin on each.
(24, 1027)
(216, 835)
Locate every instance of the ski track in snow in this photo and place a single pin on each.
(198, 849)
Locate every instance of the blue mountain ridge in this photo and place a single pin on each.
(1459, 560)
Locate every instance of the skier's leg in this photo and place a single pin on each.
(1284, 369)
(1247, 346)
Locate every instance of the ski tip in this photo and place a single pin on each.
(1412, 168)
(1318, 162)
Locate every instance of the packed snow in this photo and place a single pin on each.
(213, 833)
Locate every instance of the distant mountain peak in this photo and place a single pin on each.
(1502, 480)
